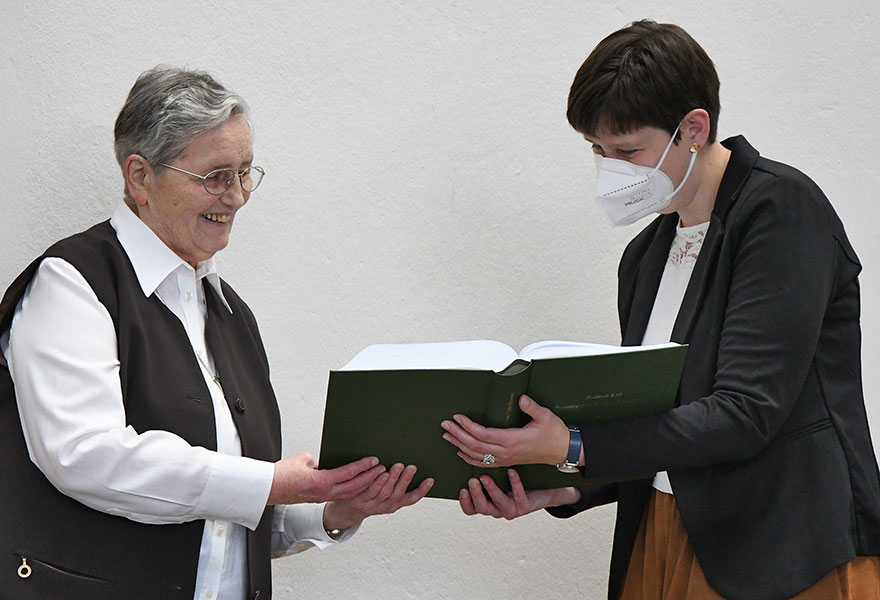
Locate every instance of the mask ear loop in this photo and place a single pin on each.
(694, 149)
(668, 147)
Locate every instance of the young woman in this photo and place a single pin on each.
(766, 483)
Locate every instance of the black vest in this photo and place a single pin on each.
(76, 552)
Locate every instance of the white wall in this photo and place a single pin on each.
(423, 185)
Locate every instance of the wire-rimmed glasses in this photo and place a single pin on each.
(216, 182)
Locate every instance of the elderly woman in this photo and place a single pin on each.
(766, 483)
(138, 426)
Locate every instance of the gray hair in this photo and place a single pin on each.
(166, 108)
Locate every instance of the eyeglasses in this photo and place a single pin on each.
(216, 182)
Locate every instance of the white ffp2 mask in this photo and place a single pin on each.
(628, 192)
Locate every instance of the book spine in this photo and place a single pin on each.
(502, 410)
(502, 406)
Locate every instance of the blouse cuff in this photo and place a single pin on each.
(237, 489)
(298, 527)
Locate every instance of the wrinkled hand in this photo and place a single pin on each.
(515, 504)
(298, 479)
(544, 440)
(386, 495)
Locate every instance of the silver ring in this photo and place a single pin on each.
(488, 459)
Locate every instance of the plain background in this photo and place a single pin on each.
(423, 185)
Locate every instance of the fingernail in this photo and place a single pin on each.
(457, 419)
(445, 424)
(411, 468)
(374, 461)
(523, 400)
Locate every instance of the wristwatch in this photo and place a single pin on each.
(574, 451)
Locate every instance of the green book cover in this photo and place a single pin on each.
(390, 399)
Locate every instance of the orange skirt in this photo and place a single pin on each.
(663, 565)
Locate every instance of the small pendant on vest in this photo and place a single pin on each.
(24, 571)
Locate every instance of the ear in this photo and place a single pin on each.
(138, 172)
(695, 127)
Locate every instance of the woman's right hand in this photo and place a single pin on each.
(511, 505)
(298, 479)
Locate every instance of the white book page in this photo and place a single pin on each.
(483, 355)
(557, 349)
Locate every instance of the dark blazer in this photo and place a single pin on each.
(768, 450)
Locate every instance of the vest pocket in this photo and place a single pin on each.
(46, 576)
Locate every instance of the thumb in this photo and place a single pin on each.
(533, 409)
(352, 469)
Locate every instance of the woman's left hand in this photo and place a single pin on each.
(484, 497)
(386, 495)
(543, 441)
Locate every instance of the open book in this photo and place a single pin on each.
(389, 400)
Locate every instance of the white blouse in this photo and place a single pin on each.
(676, 274)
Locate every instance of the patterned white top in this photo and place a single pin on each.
(686, 245)
(676, 274)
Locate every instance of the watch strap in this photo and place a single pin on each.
(574, 451)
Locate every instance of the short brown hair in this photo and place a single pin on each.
(646, 74)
